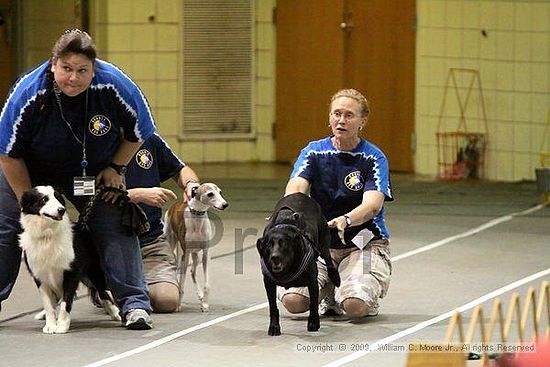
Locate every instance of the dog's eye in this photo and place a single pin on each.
(44, 200)
(210, 194)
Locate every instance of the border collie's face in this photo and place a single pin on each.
(43, 201)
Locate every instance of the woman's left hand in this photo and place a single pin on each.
(340, 224)
(110, 178)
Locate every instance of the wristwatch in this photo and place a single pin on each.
(348, 221)
(120, 169)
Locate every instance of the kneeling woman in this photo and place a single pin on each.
(349, 178)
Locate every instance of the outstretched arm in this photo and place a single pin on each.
(153, 196)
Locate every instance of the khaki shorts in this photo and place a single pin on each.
(159, 262)
(364, 274)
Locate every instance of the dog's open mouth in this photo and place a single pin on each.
(276, 268)
(54, 217)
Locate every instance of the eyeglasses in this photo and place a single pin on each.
(348, 116)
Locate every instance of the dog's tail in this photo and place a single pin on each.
(174, 224)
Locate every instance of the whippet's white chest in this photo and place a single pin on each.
(198, 231)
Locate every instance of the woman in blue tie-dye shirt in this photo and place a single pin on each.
(72, 122)
(349, 178)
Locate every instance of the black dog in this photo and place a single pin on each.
(295, 235)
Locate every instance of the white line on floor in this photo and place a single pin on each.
(171, 337)
(435, 320)
(471, 232)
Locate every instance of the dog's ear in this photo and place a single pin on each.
(261, 244)
(26, 200)
(59, 197)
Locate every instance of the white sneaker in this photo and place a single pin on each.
(138, 319)
(329, 307)
(373, 312)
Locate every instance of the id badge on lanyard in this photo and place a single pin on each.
(84, 186)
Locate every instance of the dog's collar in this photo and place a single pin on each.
(194, 202)
(311, 255)
(300, 232)
(196, 212)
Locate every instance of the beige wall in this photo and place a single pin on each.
(514, 63)
(143, 38)
(44, 21)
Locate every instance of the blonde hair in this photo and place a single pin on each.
(356, 95)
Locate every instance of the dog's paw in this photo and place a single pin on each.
(49, 328)
(40, 316)
(313, 324)
(205, 307)
(62, 327)
(115, 316)
(111, 310)
(63, 323)
(200, 295)
(274, 330)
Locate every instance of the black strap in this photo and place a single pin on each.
(309, 241)
(133, 218)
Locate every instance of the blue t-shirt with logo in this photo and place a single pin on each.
(153, 163)
(111, 108)
(338, 180)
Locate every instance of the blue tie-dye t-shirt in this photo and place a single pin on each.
(338, 180)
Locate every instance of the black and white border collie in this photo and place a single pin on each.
(58, 257)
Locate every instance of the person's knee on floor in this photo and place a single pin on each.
(295, 303)
(164, 297)
(356, 308)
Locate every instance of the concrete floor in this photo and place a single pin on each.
(464, 263)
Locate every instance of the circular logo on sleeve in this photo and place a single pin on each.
(353, 181)
(144, 159)
(99, 125)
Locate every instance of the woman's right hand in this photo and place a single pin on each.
(340, 224)
(110, 178)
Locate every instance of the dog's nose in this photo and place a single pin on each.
(225, 205)
(275, 260)
(61, 211)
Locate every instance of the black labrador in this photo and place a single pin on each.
(295, 235)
